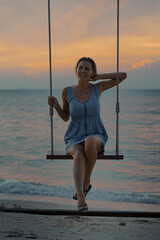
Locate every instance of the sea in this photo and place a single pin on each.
(25, 141)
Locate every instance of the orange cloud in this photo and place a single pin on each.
(77, 32)
(142, 63)
(34, 59)
(35, 67)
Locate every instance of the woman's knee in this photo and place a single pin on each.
(92, 142)
(76, 151)
(78, 155)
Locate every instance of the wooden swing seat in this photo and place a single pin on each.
(102, 156)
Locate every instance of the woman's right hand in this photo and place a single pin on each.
(52, 101)
(95, 77)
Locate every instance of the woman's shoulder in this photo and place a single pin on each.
(66, 91)
(96, 88)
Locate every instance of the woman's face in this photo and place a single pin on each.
(84, 71)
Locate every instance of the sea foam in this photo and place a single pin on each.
(9, 186)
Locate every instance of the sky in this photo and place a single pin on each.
(79, 28)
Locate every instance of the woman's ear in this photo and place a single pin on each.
(94, 73)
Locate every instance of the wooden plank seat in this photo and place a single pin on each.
(102, 156)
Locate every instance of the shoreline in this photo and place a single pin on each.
(22, 226)
(66, 203)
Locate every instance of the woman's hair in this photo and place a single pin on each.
(94, 68)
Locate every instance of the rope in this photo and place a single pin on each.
(117, 103)
(50, 68)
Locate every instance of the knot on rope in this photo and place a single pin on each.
(117, 107)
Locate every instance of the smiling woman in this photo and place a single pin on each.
(86, 135)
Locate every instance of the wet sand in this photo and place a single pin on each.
(27, 226)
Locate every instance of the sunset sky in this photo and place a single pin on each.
(79, 28)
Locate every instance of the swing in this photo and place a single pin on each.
(103, 156)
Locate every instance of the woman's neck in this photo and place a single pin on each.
(83, 85)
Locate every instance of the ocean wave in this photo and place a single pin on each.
(9, 186)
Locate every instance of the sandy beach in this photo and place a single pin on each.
(27, 226)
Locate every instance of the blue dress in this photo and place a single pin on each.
(85, 119)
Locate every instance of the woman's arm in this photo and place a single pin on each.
(110, 83)
(64, 111)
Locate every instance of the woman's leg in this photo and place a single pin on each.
(92, 147)
(77, 152)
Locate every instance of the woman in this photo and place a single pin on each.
(86, 135)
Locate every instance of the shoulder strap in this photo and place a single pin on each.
(96, 89)
(69, 94)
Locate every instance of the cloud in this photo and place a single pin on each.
(144, 77)
(79, 28)
(143, 63)
(23, 21)
(82, 19)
